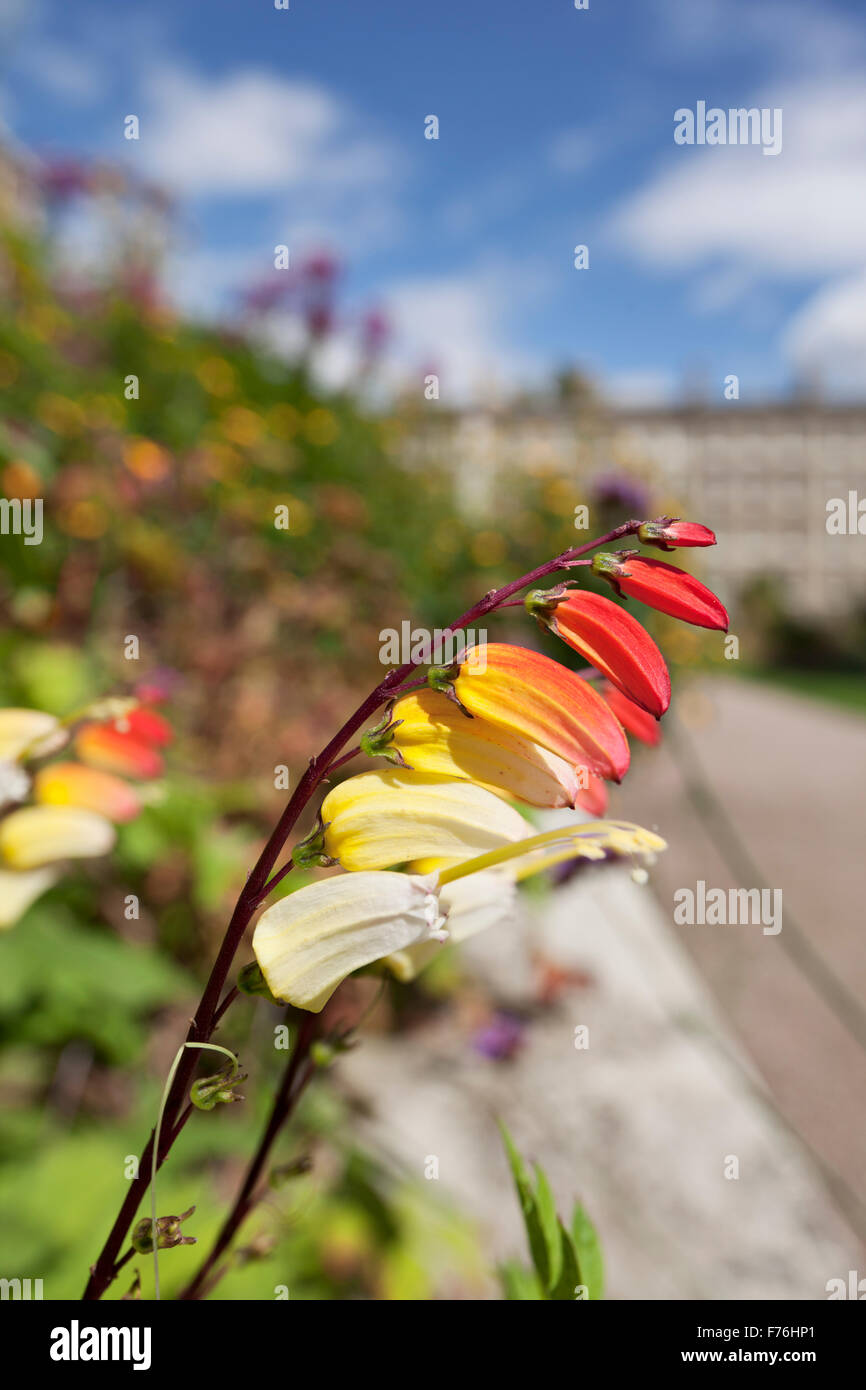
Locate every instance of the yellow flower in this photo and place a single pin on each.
(19, 890)
(533, 697)
(73, 784)
(38, 835)
(595, 839)
(434, 736)
(27, 731)
(379, 819)
(307, 943)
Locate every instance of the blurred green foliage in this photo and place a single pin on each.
(159, 522)
(168, 455)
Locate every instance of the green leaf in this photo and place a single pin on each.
(589, 1254)
(549, 1222)
(519, 1284)
(528, 1206)
(566, 1287)
(60, 980)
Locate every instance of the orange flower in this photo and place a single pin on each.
(106, 747)
(535, 698)
(432, 735)
(72, 784)
(611, 639)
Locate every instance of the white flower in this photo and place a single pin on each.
(308, 943)
(14, 783)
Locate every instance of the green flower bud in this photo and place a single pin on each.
(278, 1176)
(218, 1089)
(168, 1233)
(252, 981)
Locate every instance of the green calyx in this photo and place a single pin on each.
(442, 678)
(542, 604)
(211, 1091)
(378, 741)
(656, 532)
(310, 853)
(251, 981)
(610, 566)
(168, 1233)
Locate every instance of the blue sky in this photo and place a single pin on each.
(306, 127)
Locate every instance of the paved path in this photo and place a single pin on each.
(776, 783)
(641, 1125)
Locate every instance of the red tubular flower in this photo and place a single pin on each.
(633, 719)
(670, 533)
(146, 725)
(612, 640)
(106, 747)
(593, 798)
(536, 698)
(664, 587)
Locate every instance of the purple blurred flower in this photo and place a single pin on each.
(160, 684)
(63, 178)
(374, 333)
(620, 490)
(319, 319)
(501, 1039)
(268, 293)
(321, 268)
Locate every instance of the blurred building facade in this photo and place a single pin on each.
(762, 477)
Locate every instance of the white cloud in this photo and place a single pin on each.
(743, 224)
(801, 214)
(251, 133)
(720, 289)
(827, 337)
(573, 151)
(795, 35)
(456, 325)
(639, 387)
(65, 72)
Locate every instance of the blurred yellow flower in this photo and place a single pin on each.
(242, 426)
(18, 891)
(86, 519)
(321, 427)
(147, 460)
(38, 835)
(26, 731)
(73, 784)
(217, 376)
